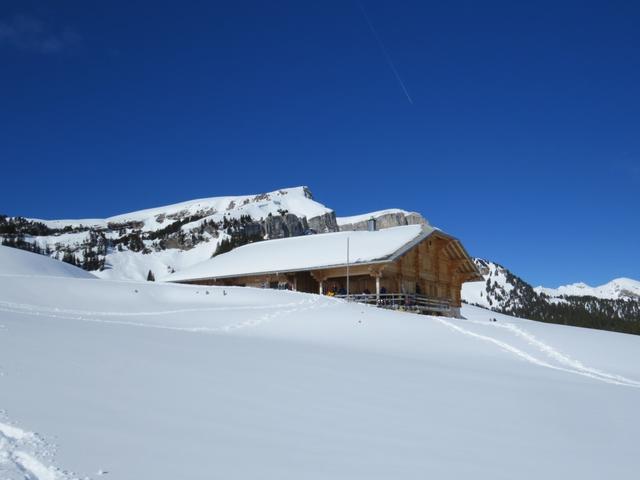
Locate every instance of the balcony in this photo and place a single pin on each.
(402, 301)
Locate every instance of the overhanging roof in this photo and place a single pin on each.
(309, 252)
(312, 252)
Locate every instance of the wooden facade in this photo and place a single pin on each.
(435, 266)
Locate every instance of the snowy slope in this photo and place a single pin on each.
(500, 290)
(615, 289)
(477, 293)
(163, 381)
(19, 262)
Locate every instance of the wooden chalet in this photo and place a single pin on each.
(414, 266)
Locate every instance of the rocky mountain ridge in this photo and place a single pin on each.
(384, 219)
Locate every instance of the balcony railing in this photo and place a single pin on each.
(407, 301)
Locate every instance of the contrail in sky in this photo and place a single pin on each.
(384, 51)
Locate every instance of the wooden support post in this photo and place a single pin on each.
(321, 290)
(377, 288)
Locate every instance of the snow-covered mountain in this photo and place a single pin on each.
(297, 200)
(159, 241)
(501, 290)
(150, 380)
(619, 288)
(614, 306)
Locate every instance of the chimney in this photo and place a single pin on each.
(371, 224)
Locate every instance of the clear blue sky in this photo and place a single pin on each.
(522, 138)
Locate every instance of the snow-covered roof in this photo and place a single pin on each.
(308, 252)
(366, 216)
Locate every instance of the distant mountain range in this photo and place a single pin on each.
(619, 288)
(613, 306)
(153, 243)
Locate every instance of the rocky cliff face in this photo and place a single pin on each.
(324, 223)
(384, 219)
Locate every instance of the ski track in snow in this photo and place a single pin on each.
(556, 355)
(89, 316)
(19, 456)
(567, 364)
(2, 328)
(13, 307)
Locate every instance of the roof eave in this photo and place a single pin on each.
(282, 272)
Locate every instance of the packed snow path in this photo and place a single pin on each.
(144, 380)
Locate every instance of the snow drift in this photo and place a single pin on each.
(19, 262)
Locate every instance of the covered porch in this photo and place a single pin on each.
(383, 285)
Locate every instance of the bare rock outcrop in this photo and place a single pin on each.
(386, 220)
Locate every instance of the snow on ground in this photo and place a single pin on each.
(53, 241)
(475, 293)
(128, 265)
(307, 251)
(20, 262)
(617, 288)
(149, 380)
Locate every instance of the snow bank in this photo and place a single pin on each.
(19, 262)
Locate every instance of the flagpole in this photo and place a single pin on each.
(347, 269)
